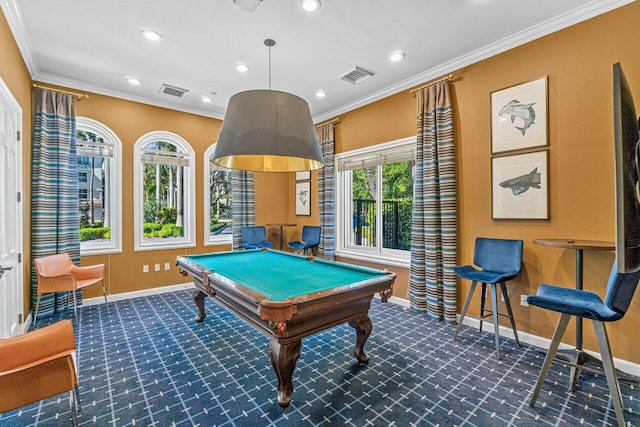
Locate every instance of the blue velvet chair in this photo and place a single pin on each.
(255, 237)
(574, 302)
(499, 260)
(310, 239)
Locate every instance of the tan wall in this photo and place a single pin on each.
(578, 62)
(15, 75)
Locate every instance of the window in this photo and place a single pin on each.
(374, 200)
(164, 188)
(99, 181)
(217, 202)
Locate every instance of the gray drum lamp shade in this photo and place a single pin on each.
(268, 131)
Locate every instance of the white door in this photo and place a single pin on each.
(11, 290)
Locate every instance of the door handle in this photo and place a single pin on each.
(3, 269)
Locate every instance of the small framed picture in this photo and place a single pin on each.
(520, 186)
(303, 198)
(303, 176)
(519, 116)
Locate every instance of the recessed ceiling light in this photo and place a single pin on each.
(206, 99)
(311, 5)
(321, 93)
(150, 34)
(396, 56)
(133, 80)
(243, 68)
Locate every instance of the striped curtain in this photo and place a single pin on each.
(432, 281)
(55, 215)
(326, 193)
(243, 204)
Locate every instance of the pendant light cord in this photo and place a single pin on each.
(269, 67)
(269, 43)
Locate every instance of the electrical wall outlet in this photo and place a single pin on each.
(523, 301)
(167, 266)
(145, 268)
(156, 267)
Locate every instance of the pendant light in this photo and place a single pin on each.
(268, 131)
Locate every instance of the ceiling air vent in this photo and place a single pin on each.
(173, 90)
(356, 75)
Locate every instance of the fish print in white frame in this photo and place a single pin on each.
(519, 116)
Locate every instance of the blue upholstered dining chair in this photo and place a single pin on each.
(499, 260)
(310, 239)
(255, 237)
(575, 302)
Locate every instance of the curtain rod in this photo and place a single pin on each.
(336, 121)
(80, 96)
(449, 77)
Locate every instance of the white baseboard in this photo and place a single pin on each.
(537, 341)
(527, 338)
(138, 294)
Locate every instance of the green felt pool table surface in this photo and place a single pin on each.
(280, 275)
(288, 297)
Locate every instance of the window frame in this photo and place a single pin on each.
(344, 206)
(189, 183)
(114, 245)
(226, 239)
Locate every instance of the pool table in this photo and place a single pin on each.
(288, 297)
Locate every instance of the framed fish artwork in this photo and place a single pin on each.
(520, 186)
(519, 116)
(303, 198)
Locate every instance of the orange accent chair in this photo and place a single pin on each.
(57, 273)
(37, 365)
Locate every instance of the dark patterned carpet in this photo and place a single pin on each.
(144, 362)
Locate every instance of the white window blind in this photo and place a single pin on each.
(94, 149)
(381, 158)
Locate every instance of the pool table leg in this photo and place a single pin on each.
(198, 298)
(363, 328)
(283, 358)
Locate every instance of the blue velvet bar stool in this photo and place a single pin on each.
(500, 260)
(310, 239)
(255, 237)
(575, 302)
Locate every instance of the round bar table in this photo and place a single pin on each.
(580, 358)
(281, 225)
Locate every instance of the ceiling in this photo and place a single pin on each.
(92, 45)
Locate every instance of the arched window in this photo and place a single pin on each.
(164, 189)
(100, 187)
(217, 202)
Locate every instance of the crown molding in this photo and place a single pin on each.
(16, 24)
(577, 15)
(54, 79)
(560, 22)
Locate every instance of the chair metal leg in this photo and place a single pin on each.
(574, 372)
(75, 304)
(35, 313)
(496, 317)
(507, 303)
(76, 390)
(483, 299)
(465, 307)
(72, 407)
(104, 292)
(561, 327)
(609, 370)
